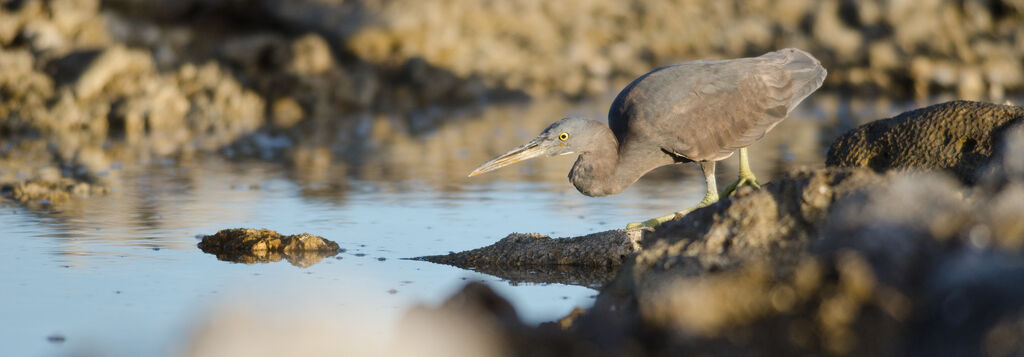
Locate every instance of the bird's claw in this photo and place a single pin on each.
(650, 223)
(655, 222)
(742, 181)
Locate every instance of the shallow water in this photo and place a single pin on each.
(121, 275)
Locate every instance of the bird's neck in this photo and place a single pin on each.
(602, 171)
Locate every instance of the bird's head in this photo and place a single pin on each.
(567, 136)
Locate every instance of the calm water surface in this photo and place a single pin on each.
(121, 275)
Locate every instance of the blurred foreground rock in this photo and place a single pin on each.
(251, 246)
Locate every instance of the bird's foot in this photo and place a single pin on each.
(709, 198)
(655, 222)
(744, 180)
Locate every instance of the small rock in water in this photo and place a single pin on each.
(246, 245)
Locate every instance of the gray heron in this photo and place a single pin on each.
(700, 111)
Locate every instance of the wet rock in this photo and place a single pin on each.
(250, 246)
(605, 249)
(957, 136)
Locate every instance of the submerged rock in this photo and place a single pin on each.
(957, 136)
(250, 246)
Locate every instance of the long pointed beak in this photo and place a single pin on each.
(527, 151)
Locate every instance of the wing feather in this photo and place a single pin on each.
(705, 110)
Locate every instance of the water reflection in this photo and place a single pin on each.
(442, 158)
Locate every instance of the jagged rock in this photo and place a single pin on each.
(250, 246)
(958, 136)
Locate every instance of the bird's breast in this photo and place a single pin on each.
(591, 180)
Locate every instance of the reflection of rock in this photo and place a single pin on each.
(43, 192)
(250, 246)
(958, 136)
(587, 276)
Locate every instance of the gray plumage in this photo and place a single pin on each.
(699, 111)
(704, 110)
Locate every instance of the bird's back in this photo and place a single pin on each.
(705, 110)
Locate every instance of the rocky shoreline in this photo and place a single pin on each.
(867, 259)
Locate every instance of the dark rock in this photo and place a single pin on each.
(957, 136)
(250, 246)
(605, 249)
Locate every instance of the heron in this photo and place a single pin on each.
(700, 111)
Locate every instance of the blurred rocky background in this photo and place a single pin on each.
(87, 85)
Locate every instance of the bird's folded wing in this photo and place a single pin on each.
(743, 102)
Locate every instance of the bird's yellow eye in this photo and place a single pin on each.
(563, 136)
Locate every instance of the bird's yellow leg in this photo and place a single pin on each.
(746, 175)
(710, 196)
